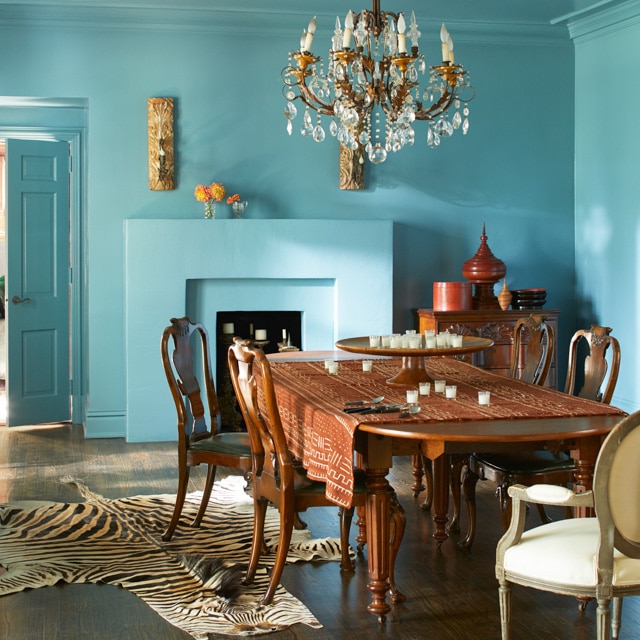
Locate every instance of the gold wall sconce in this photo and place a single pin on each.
(161, 157)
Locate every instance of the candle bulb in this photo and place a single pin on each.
(450, 47)
(444, 38)
(348, 30)
(284, 334)
(402, 39)
(311, 29)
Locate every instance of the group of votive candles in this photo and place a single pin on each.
(441, 386)
(413, 340)
(332, 366)
(424, 388)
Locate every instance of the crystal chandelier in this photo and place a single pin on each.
(370, 76)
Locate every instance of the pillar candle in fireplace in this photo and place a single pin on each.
(227, 327)
(261, 334)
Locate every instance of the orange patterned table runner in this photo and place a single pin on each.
(322, 435)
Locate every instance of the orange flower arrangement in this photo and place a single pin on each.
(213, 192)
(209, 194)
(234, 198)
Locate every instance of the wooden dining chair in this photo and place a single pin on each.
(596, 557)
(199, 438)
(279, 479)
(548, 467)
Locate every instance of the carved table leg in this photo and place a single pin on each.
(378, 539)
(398, 525)
(441, 474)
(418, 472)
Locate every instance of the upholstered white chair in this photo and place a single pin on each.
(596, 557)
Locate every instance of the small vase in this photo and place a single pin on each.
(504, 297)
(238, 208)
(209, 210)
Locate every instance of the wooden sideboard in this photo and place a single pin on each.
(494, 324)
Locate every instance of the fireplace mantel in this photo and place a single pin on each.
(349, 262)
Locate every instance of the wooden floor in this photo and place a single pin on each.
(451, 594)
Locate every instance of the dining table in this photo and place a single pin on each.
(328, 437)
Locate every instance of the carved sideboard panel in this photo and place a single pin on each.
(496, 325)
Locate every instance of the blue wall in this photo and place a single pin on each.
(607, 220)
(514, 171)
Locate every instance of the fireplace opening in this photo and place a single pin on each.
(270, 330)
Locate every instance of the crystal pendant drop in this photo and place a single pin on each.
(318, 133)
(289, 127)
(377, 155)
(443, 128)
(465, 126)
(333, 128)
(290, 111)
(456, 120)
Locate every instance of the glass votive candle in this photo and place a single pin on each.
(450, 391)
(456, 340)
(404, 341)
(439, 385)
(431, 342)
(412, 396)
(484, 397)
(415, 341)
(327, 363)
(367, 365)
(429, 333)
(395, 341)
(425, 388)
(374, 341)
(333, 368)
(385, 341)
(442, 340)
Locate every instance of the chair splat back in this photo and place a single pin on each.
(596, 366)
(183, 382)
(539, 350)
(263, 423)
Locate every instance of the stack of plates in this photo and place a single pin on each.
(528, 298)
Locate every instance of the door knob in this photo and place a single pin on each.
(18, 300)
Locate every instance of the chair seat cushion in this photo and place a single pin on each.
(232, 443)
(565, 553)
(525, 461)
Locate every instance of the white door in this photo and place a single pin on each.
(37, 282)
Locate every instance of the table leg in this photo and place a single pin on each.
(441, 471)
(378, 536)
(585, 460)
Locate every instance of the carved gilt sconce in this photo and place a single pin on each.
(161, 157)
(351, 170)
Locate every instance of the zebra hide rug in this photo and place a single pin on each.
(194, 581)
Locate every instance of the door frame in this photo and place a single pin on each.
(76, 137)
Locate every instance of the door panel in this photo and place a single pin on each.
(37, 288)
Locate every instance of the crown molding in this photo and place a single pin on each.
(601, 19)
(284, 24)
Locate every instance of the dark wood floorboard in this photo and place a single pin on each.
(451, 594)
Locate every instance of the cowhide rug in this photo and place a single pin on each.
(194, 581)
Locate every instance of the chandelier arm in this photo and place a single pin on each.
(310, 99)
(437, 108)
